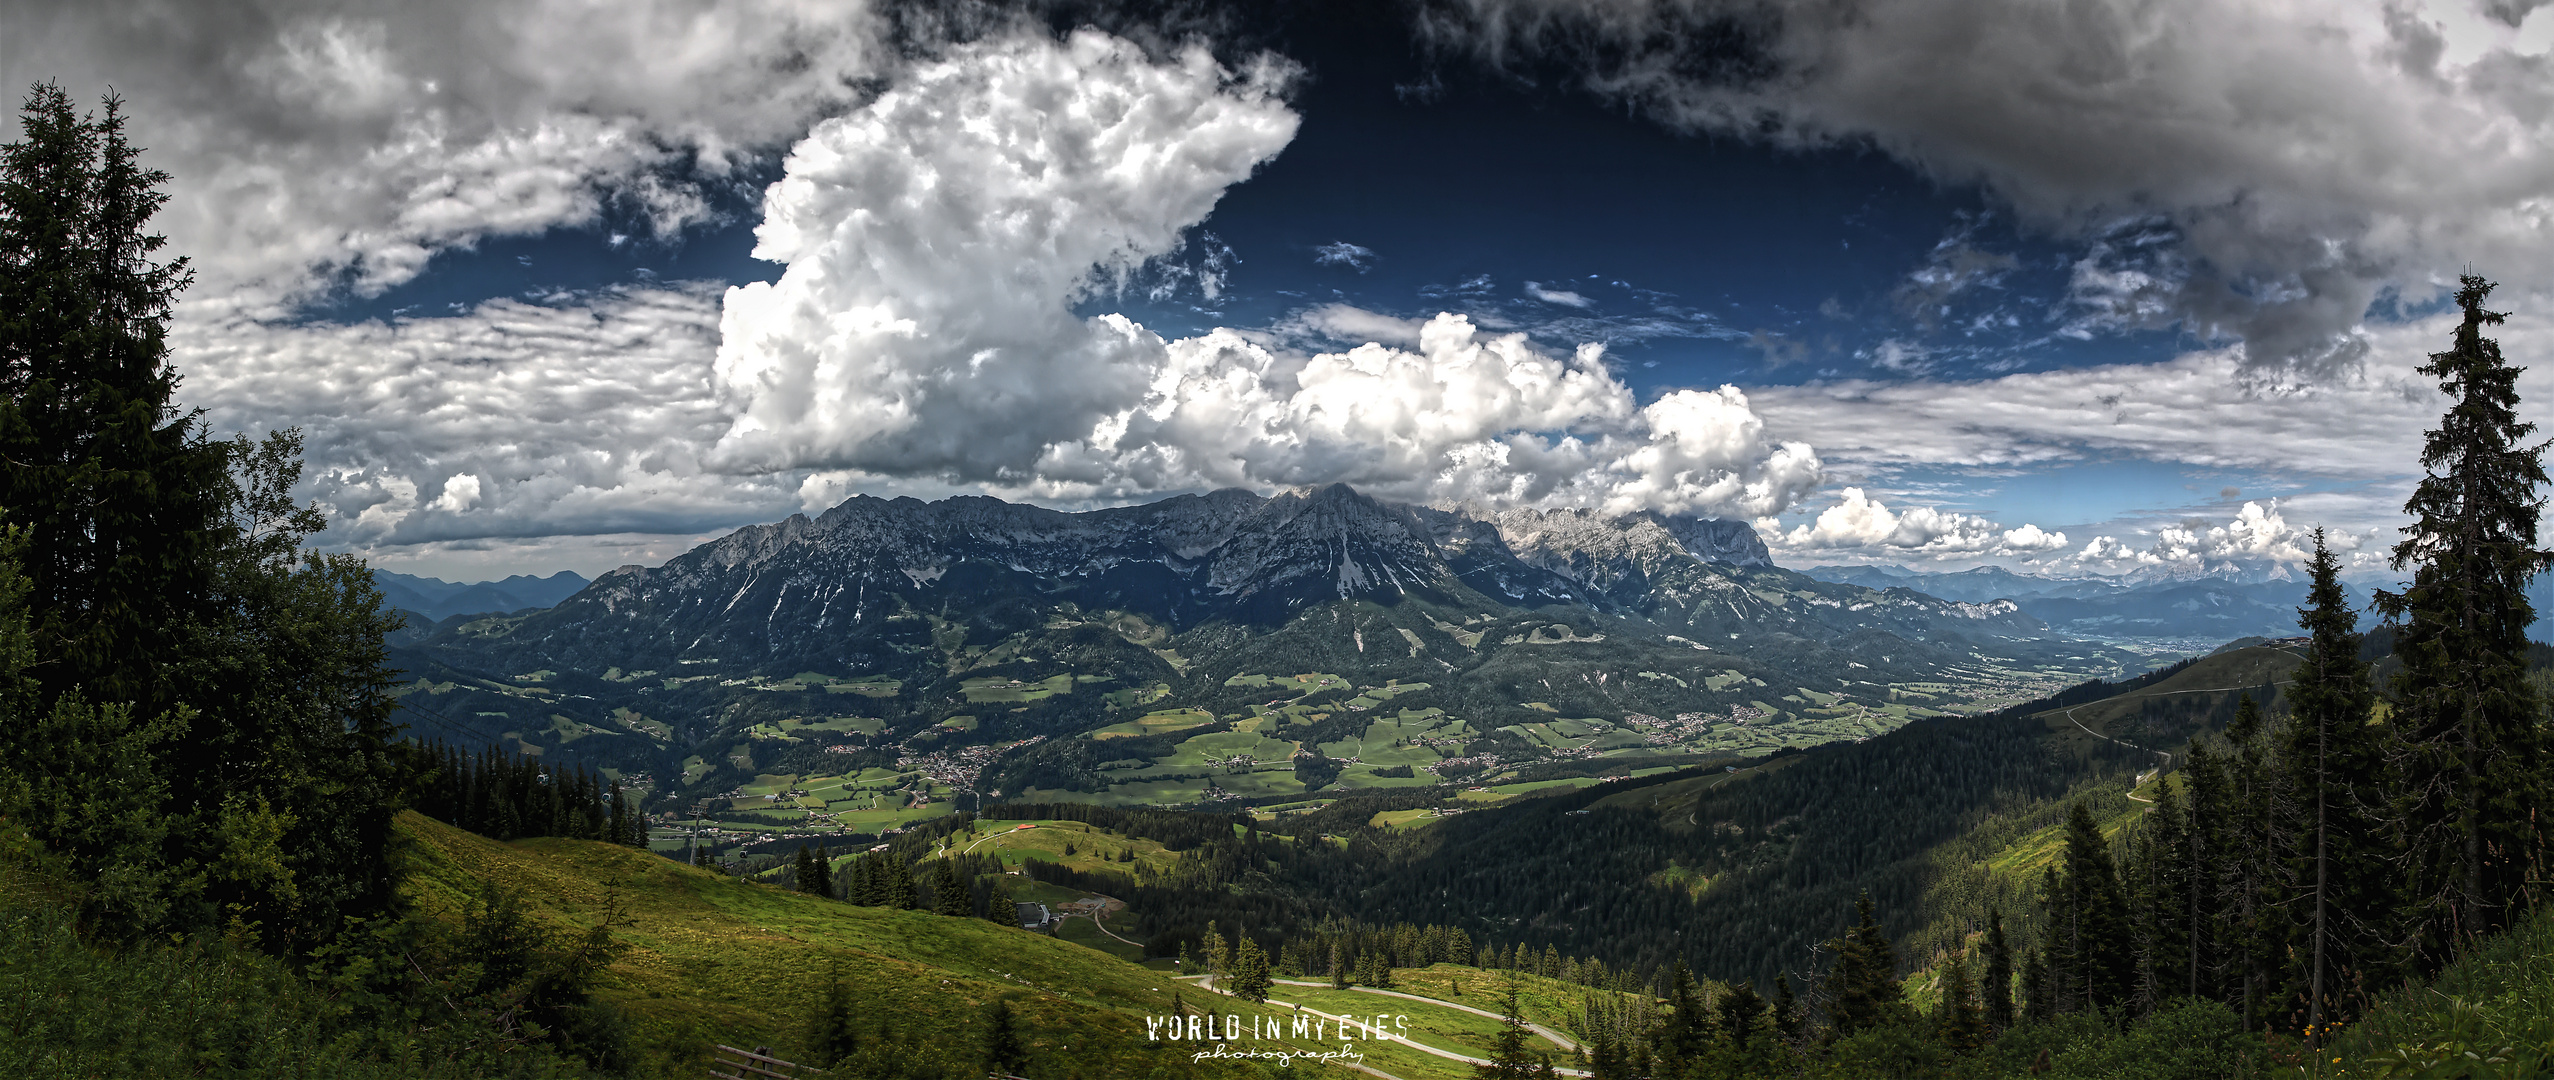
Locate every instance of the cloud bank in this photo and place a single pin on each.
(2258, 170)
(1857, 521)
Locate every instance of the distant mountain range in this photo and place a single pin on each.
(437, 599)
(2240, 603)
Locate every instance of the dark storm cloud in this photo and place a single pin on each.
(2307, 158)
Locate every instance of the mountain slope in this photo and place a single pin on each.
(1746, 872)
(716, 959)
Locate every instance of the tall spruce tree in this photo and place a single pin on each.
(1250, 980)
(1863, 991)
(1995, 983)
(2088, 937)
(1960, 1020)
(2468, 721)
(2340, 869)
(167, 571)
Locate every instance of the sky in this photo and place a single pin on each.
(2099, 287)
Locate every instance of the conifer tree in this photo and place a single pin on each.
(2467, 717)
(2206, 838)
(898, 886)
(1004, 1051)
(1786, 1011)
(1212, 951)
(829, 1032)
(1338, 968)
(2247, 931)
(1742, 1010)
(824, 869)
(1689, 1026)
(167, 576)
(1995, 996)
(949, 893)
(1863, 990)
(2089, 937)
(1250, 979)
(2336, 770)
(1509, 1057)
(1960, 1019)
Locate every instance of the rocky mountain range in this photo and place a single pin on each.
(799, 591)
(892, 624)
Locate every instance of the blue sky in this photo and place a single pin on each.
(2090, 301)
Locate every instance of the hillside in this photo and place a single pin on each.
(1750, 867)
(717, 959)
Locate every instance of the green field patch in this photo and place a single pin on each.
(835, 725)
(1723, 680)
(640, 722)
(1310, 682)
(1046, 841)
(1249, 682)
(990, 689)
(1085, 933)
(959, 723)
(1541, 707)
(1539, 785)
(694, 768)
(1265, 782)
(1470, 639)
(1157, 723)
(1404, 819)
(769, 784)
(1134, 697)
(1395, 740)
(1685, 879)
(1662, 676)
(870, 821)
(1429, 1025)
(875, 686)
(1225, 746)
(1362, 776)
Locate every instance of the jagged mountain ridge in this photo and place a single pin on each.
(999, 640)
(800, 587)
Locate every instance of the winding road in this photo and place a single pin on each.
(1208, 982)
(2166, 755)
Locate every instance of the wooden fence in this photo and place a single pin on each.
(755, 1064)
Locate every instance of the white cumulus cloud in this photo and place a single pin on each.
(2258, 535)
(924, 327)
(1859, 521)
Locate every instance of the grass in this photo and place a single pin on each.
(2489, 1014)
(1093, 849)
(713, 959)
(1162, 722)
(991, 689)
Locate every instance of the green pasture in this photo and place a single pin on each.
(1162, 722)
(994, 689)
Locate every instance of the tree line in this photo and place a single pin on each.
(507, 797)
